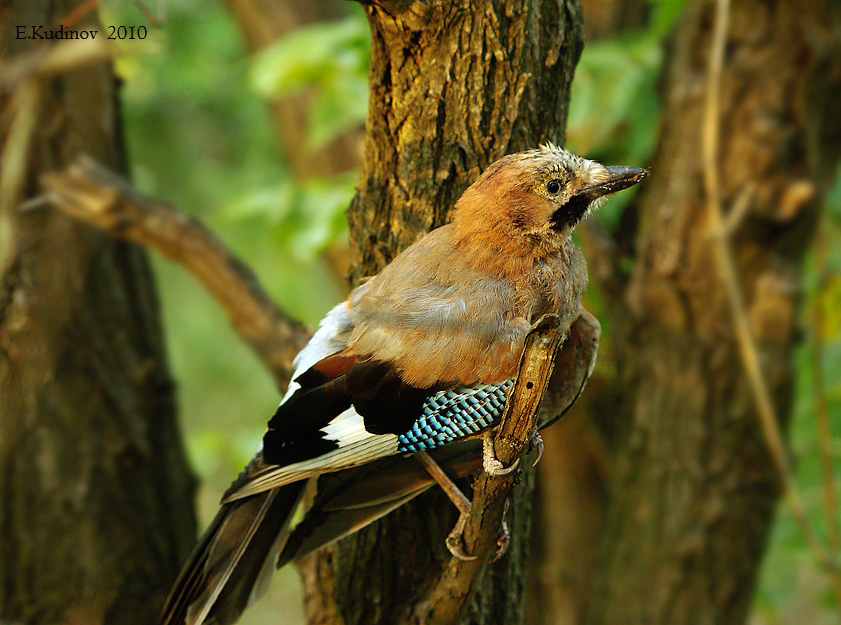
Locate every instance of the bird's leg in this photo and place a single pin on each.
(490, 462)
(454, 543)
(447, 485)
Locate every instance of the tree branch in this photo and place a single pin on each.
(91, 193)
(454, 589)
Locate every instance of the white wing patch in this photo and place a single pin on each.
(357, 446)
(330, 338)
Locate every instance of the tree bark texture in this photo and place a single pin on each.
(453, 87)
(95, 495)
(693, 486)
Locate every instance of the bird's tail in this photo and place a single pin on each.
(234, 559)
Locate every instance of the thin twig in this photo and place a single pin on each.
(453, 590)
(739, 210)
(821, 409)
(747, 348)
(79, 12)
(23, 111)
(58, 58)
(91, 193)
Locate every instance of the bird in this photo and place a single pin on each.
(417, 362)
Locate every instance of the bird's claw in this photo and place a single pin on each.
(537, 443)
(502, 542)
(454, 542)
(490, 462)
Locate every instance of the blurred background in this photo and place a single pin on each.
(254, 125)
(205, 130)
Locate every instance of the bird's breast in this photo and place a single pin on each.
(437, 333)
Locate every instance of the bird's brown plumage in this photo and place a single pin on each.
(455, 307)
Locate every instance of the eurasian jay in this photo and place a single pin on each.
(419, 359)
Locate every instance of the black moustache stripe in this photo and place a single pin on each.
(571, 213)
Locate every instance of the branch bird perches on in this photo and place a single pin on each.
(91, 193)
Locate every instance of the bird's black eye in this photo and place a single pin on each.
(553, 187)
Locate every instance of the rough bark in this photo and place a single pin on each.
(453, 87)
(693, 487)
(95, 496)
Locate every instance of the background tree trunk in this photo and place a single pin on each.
(453, 87)
(693, 486)
(95, 495)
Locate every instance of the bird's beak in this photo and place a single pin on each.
(618, 178)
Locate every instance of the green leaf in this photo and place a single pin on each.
(312, 55)
(340, 105)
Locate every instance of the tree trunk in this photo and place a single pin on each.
(693, 486)
(95, 496)
(453, 87)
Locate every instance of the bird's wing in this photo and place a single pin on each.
(346, 412)
(235, 555)
(352, 400)
(364, 413)
(331, 338)
(231, 565)
(346, 501)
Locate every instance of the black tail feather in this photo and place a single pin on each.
(232, 560)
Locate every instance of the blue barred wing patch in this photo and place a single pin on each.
(453, 414)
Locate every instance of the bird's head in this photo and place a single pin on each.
(540, 194)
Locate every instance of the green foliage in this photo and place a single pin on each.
(614, 109)
(331, 57)
(198, 137)
(305, 216)
(614, 104)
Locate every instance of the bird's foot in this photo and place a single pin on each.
(455, 540)
(490, 462)
(536, 443)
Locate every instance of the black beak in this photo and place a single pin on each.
(619, 178)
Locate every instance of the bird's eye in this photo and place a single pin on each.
(553, 187)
